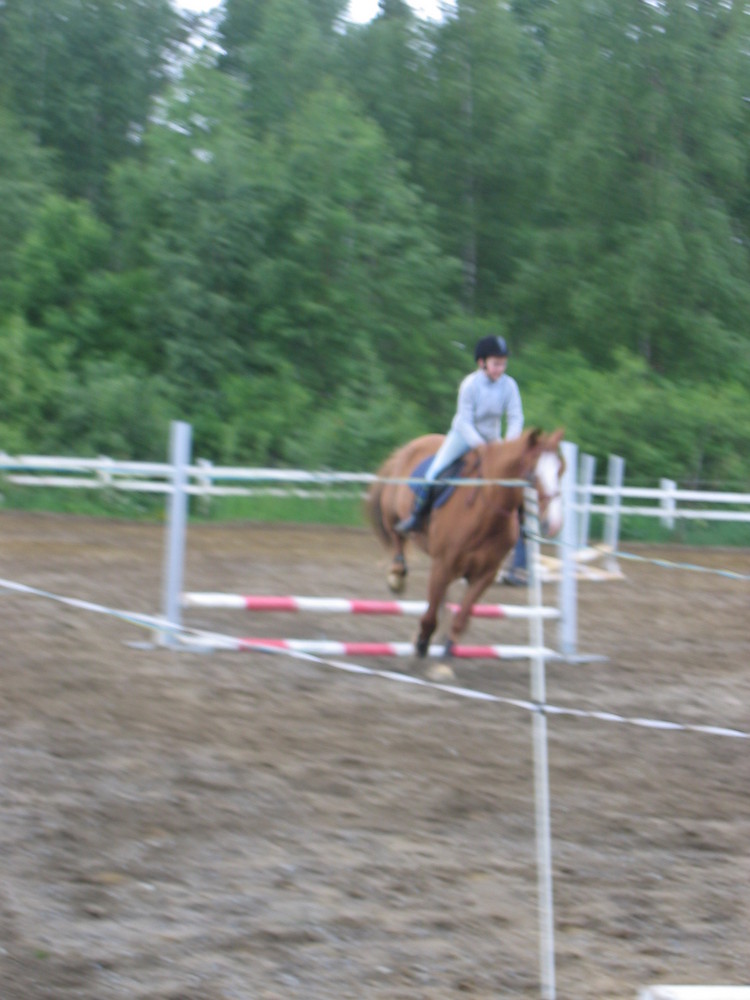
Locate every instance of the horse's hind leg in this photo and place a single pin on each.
(398, 569)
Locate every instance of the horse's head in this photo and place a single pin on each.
(546, 476)
(536, 457)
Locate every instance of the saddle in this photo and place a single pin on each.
(441, 491)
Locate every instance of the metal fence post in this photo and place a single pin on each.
(586, 472)
(180, 435)
(615, 476)
(568, 596)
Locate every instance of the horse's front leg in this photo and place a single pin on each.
(474, 590)
(427, 626)
(436, 589)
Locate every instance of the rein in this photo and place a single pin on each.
(544, 498)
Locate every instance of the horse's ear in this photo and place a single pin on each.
(557, 436)
(535, 434)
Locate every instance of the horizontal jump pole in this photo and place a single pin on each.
(668, 992)
(344, 605)
(325, 647)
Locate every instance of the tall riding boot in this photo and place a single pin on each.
(420, 510)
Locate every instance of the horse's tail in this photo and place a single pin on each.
(374, 502)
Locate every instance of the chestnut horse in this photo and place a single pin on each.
(472, 532)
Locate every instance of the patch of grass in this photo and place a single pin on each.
(697, 533)
(649, 530)
(89, 502)
(317, 508)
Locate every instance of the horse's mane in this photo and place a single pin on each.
(510, 459)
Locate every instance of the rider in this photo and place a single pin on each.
(484, 397)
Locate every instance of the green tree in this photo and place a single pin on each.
(634, 240)
(361, 280)
(282, 49)
(190, 224)
(295, 245)
(59, 256)
(469, 154)
(386, 63)
(662, 427)
(304, 253)
(49, 405)
(26, 176)
(81, 76)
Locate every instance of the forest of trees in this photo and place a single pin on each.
(290, 230)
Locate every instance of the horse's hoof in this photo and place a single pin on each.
(396, 582)
(440, 673)
(421, 646)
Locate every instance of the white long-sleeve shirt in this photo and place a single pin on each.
(482, 404)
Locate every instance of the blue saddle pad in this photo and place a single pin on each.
(443, 491)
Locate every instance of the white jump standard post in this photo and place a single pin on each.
(568, 588)
(615, 476)
(180, 437)
(586, 474)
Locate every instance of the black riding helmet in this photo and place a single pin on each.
(490, 347)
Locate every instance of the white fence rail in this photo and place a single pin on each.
(204, 479)
(671, 503)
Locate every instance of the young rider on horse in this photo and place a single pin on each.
(484, 397)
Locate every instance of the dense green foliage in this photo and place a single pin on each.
(292, 234)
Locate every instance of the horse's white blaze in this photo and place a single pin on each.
(548, 484)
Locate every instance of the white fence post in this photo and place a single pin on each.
(668, 503)
(205, 482)
(586, 472)
(104, 474)
(180, 435)
(568, 626)
(615, 476)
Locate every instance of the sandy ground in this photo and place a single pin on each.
(185, 826)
